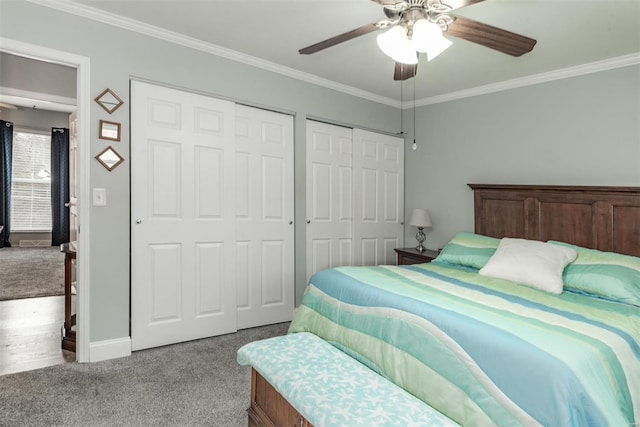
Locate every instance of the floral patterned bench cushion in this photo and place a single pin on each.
(329, 388)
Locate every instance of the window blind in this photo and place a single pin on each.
(31, 182)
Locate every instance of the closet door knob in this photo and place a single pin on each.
(290, 222)
(308, 221)
(138, 221)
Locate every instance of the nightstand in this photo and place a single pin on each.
(407, 256)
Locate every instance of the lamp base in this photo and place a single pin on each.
(420, 237)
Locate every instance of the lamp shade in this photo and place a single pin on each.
(420, 218)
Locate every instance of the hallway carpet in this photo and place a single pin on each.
(31, 272)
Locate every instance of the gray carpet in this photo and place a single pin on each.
(31, 272)
(197, 383)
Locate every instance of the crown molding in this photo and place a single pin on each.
(563, 73)
(123, 22)
(193, 43)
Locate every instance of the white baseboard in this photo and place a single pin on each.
(109, 349)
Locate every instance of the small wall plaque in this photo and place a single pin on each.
(109, 158)
(109, 101)
(109, 130)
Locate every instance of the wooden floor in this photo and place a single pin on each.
(30, 334)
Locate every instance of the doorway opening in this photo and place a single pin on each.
(43, 101)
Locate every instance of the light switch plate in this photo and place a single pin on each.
(99, 197)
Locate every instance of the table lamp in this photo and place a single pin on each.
(420, 218)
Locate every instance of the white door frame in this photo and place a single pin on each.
(83, 102)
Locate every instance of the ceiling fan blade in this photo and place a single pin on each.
(365, 29)
(404, 71)
(494, 38)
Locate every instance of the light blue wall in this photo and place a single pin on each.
(118, 55)
(578, 131)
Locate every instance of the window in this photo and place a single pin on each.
(31, 182)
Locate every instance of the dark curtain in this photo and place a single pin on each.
(6, 148)
(59, 186)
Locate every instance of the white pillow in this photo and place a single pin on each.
(529, 262)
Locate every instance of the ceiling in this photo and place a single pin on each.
(570, 33)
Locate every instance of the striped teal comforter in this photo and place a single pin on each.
(483, 351)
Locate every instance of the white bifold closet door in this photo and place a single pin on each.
(329, 196)
(183, 213)
(264, 217)
(212, 241)
(378, 202)
(355, 196)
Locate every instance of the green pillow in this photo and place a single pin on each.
(469, 249)
(607, 275)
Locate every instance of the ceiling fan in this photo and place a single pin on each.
(417, 26)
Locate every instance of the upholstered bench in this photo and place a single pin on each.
(300, 379)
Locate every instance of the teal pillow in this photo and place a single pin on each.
(468, 249)
(606, 275)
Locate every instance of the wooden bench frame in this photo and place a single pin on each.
(269, 408)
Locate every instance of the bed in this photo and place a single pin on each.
(484, 350)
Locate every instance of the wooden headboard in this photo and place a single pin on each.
(603, 218)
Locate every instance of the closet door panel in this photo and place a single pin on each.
(378, 170)
(355, 197)
(329, 196)
(264, 216)
(183, 228)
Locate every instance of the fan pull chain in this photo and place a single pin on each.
(401, 109)
(415, 146)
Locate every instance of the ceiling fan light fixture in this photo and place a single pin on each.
(437, 46)
(395, 44)
(406, 55)
(427, 38)
(423, 32)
